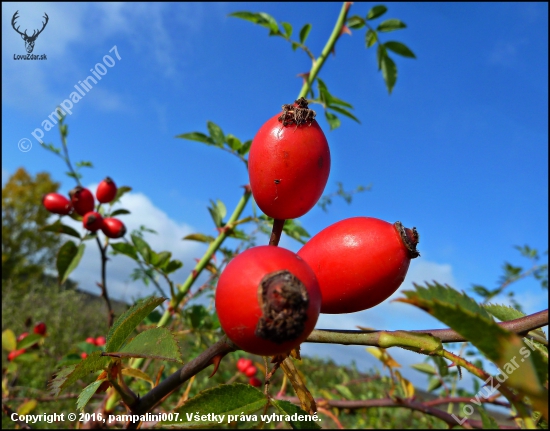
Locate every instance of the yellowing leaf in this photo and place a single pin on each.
(383, 356)
(27, 407)
(138, 374)
(9, 341)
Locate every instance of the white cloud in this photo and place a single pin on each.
(119, 268)
(506, 53)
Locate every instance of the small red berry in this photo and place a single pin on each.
(82, 200)
(113, 228)
(14, 354)
(57, 204)
(254, 381)
(243, 364)
(106, 191)
(91, 340)
(40, 328)
(83, 355)
(100, 341)
(250, 371)
(93, 221)
(22, 336)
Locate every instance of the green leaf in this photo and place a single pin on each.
(172, 266)
(391, 25)
(198, 137)
(474, 323)
(270, 23)
(59, 227)
(51, 148)
(125, 248)
(200, 237)
(295, 46)
(289, 410)
(245, 148)
(425, 368)
(29, 340)
(9, 340)
(71, 374)
(162, 259)
(441, 365)
(399, 48)
(304, 33)
(84, 164)
(345, 112)
(128, 321)
(68, 258)
(333, 120)
(288, 29)
(356, 22)
(247, 16)
(376, 11)
(234, 399)
(120, 211)
(87, 394)
(156, 343)
(389, 72)
(434, 383)
(217, 211)
(344, 391)
(233, 142)
(380, 54)
(487, 421)
(505, 313)
(215, 133)
(121, 191)
(142, 247)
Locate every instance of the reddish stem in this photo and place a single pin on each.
(276, 232)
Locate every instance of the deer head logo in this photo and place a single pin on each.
(29, 40)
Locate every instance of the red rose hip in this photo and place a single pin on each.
(267, 300)
(14, 354)
(106, 191)
(359, 262)
(93, 221)
(40, 328)
(57, 204)
(100, 341)
(254, 381)
(113, 228)
(82, 200)
(289, 163)
(243, 364)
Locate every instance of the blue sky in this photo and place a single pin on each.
(459, 150)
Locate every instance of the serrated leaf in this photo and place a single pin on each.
(380, 54)
(356, 22)
(399, 48)
(198, 137)
(245, 148)
(59, 227)
(68, 258)
(125, 248)
(424, 368)
(87, 393)
(120, 211)
(345, 112)
(487, 421)
(28, 341)
(505, 313)
(288, 410)
(156, 343)
(200, 237)
(391, 25)
(370, 37)
(474, 323)
(288, 29)
(234, 399)
(121, 191)
(215, 133)
(376, 11)
(9, 340)
(142, 247)
(137, 374)
(233, 142)
(304, 33)
(128, 321)
(69, 375)
(333, 120)
(172, 266)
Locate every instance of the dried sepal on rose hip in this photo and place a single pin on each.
(359, 262)
(106, 191)
(82, 200)
(57, 204)
(268, 301)
(289, 162)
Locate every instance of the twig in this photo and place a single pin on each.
(9, 412)
(276, 232)
(103, 284)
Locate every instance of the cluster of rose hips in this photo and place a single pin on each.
(268, 299)
(39, 328)
(246, 367)
(82, 202)
(99, 341)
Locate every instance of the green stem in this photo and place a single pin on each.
(318, 64)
